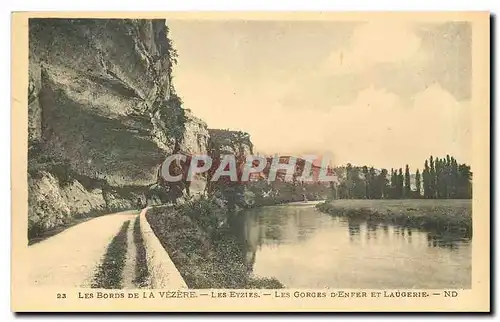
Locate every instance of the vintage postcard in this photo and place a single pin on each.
(285, 162)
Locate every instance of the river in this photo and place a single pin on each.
(304, 248)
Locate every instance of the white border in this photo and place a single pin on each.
(182, 5)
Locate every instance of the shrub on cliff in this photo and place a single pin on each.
(174, 116)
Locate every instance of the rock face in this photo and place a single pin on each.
(230, 142)
(95, 85)
(239, 145)
(103, 115)
(195, 142)
(196, 136)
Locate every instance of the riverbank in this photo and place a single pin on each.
(442, 215)
(197, 238)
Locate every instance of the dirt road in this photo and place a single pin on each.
(71, 258)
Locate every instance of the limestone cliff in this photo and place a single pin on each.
(239, 145)
(103, 115)
(229, 142)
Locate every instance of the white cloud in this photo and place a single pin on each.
(445, 122)
(378, 127)
(375, 42)
(378, 130)
(375, 129)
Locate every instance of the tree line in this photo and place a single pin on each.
(441, 178)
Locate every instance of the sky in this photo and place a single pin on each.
(382, 94)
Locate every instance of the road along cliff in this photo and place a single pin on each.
(103, 115)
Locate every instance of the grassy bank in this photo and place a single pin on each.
(109, 273)
(141, 267)
(442, 215)
(202, 247)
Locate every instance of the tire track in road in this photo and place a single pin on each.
(71, 258)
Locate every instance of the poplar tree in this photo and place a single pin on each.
(417, 182)
(374, 189)
(367, 182)
(407, 190)
(432, 178)
(393, 184)
(426, 176)
(383, 182)
(438, 178)
(400, 183)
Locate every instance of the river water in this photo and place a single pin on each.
(304, 248)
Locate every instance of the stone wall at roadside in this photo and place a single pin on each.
(162, 271)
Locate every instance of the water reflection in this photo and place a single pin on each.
(354, 227)
(305, 248)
